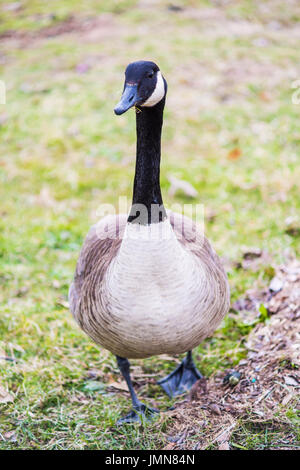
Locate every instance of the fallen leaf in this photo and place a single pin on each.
(264, 96)
(234, 154)
(287, 398)
(80, 399)
(289, 380)
(95, 373)
(10, 436)
(119, 386)
(215, 409)
(169, 446)
(5, 397)
(224, 446)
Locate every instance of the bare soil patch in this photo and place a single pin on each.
(92, 28)
(262, 386)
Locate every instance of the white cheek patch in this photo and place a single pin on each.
(158, 93)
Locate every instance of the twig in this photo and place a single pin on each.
(217, 438)
(265, 395)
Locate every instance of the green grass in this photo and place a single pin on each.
(63, 153)
(32, 15)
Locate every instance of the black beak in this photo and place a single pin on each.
(128, 99)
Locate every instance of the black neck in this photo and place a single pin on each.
(147, 204)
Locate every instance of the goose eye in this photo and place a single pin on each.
(150, 74)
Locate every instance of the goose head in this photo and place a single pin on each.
(144, 86)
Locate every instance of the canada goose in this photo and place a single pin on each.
(148, 283)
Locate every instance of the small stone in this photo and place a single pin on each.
(232, 378)
(276, 285)
(176, 8)
(252, 253)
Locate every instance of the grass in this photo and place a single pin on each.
(230, 129)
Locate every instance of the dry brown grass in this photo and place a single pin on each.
(270, 377)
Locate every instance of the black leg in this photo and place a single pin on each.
(182, 378)
(139, 411)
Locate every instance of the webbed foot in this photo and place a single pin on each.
(182, 378)
(139, 414)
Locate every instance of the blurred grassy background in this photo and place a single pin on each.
(231, 130)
